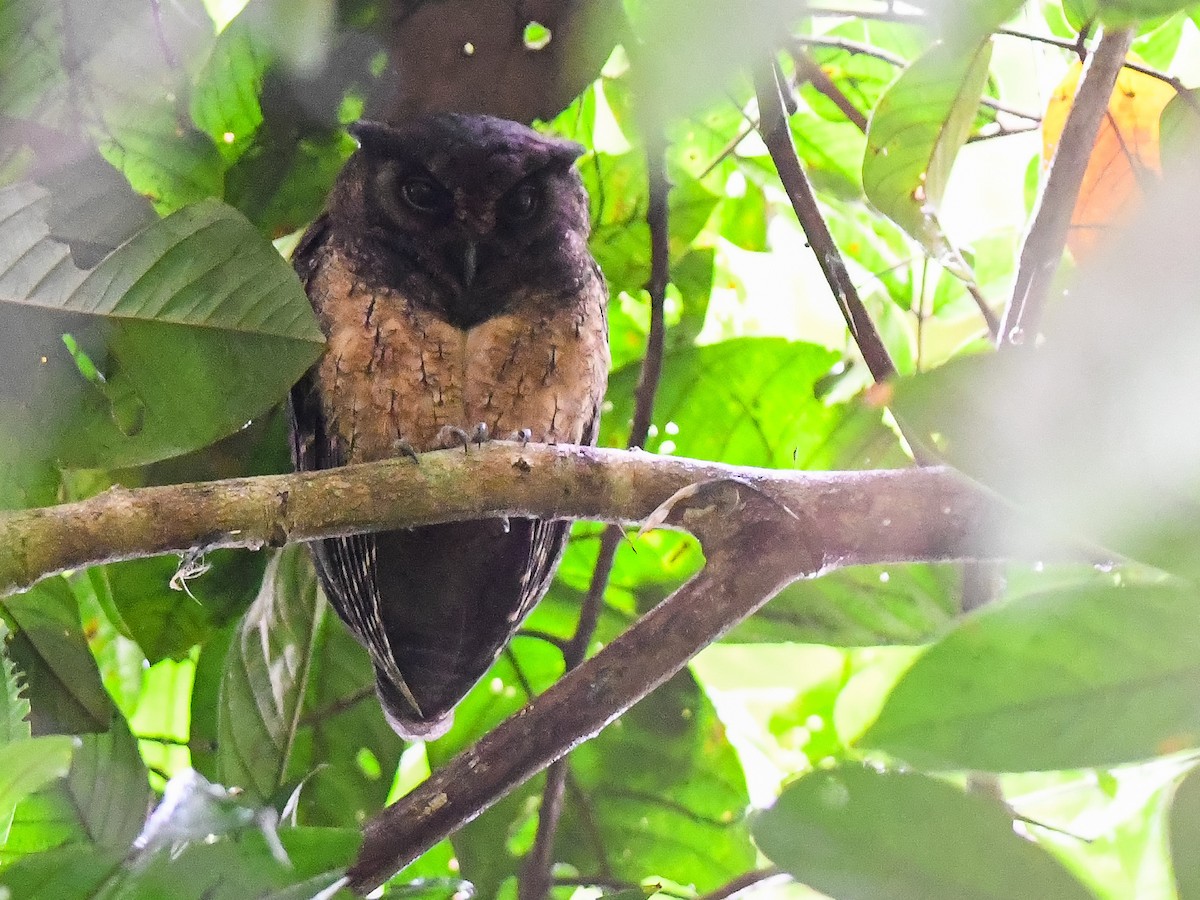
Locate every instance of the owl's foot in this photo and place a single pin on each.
(401, 447)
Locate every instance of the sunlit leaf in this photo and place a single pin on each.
(1068, 679)
(916, 132)
(857, 833)
(27, 764)
(751, 401)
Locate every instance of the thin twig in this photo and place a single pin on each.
(858, 48)
(807, 69)
(536, 880)
(778, 138)
(1043, 247)
(743, 882)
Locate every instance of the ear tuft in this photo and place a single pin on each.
(374, 136)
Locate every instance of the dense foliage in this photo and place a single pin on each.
(158, 162)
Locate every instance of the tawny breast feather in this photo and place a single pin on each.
(395, 372)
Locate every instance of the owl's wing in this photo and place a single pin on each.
(345, 566)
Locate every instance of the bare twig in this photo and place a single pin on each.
(536, 877)
(1043, 248)
(860, 49)
(744, 882)
(778, 138)
(807, 69)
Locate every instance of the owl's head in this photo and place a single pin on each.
(487, 212)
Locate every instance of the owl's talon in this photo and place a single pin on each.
(524, 436)
(453, 436)
(401, 447)
(480, 435)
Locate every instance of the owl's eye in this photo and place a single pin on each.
(422, 195)
(521, 203)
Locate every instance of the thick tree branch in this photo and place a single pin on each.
(736, 521)
(1043, 248)
(866, 517)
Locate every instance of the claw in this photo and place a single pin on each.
(401, 447)
(524, 436)
(453, 436)
(480, 435)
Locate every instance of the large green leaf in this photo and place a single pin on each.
(751, 401)
(860, 606)
(916, 132)
(344, 747)
(1123, 12)
(266, 677)
(63, 681)
(181, 336)
(1066, 679)
(856, 833)
(151, 606)
(100, 806)
(677, 813)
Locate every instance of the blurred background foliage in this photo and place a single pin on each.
(158, 161)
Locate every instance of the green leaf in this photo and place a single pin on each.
(345, 752)
(166, 621)
(100, 806)
(63, 681)
(225, 104)
(860, 606)
(266, 676)
(192, 328)
(916, 132)
(76, 872)
(1183, 831)
(678, 812)
(750, 401)
(857, 833)
(26, 765)
(1066, 679)
(1124, 12)
(14, 706)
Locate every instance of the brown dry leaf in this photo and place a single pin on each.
(1125, 160)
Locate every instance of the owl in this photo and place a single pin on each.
(451, 275)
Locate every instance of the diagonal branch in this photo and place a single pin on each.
(735, 521)
(778, 138)
(1043, 248)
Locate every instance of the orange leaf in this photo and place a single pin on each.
(1124, 161)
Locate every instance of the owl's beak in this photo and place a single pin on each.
(469, 261)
